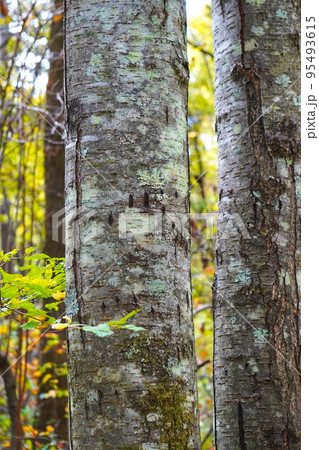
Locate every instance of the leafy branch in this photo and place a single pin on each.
(19, 292)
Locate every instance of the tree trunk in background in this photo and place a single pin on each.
(54, 145)
(127, 161)
(52, 410)
(7, 230)
(257, 347)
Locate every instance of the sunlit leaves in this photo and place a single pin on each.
(19, 291)
(103, 329)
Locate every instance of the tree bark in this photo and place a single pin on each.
(256, 301)
(127, 162)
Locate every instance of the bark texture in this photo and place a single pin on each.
(127, 164)
(257, 346)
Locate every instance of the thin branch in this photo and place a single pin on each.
(201, 308)
(199, 48)
(10, 388)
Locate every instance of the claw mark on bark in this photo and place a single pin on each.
(86, 409)
(179, 314)
(130, 201)
(241, 427)
(110, 219)
(100, 395)
(146, 200)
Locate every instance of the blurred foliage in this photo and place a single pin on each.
(24, 61)
(24, 31)
(203, 174)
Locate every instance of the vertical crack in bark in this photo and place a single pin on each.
(221, 2)
(76, 226)
(165, 13)
(242, 441)
(242, 29)
(256, 123)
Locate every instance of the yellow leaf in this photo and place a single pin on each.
(46, 378)
(49, 428)
(61, 326)
(57, 18)
(58, 295)
(29, 429)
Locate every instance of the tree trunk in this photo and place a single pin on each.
(256, 302)
(11, 393)
(127, 167)
(53, 410)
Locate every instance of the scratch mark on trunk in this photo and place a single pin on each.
(241, 427)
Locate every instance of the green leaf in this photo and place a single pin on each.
(30, 250)
(53, 305)
(116, 323)
(30, 325)
(134, 328)
(100, 330)
(37, 256)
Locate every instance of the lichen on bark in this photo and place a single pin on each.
(126, 93)
(256, 289)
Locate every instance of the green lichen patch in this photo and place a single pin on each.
(94, 69)
(243, 277)
(153, 179)
(95, 120)
(260, 337)
(252, 365)
(297, 102)
(250, 45)
(282, 14)
(258, 31)
(256, 2)
(283, 80)
(237, 128)
(170, 404)
(237, 48)
(157, 287)
(71, 303)
(134, 57)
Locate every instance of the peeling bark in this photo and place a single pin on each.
(256, 289)
(126, 157)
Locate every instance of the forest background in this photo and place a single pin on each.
(31, 32)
